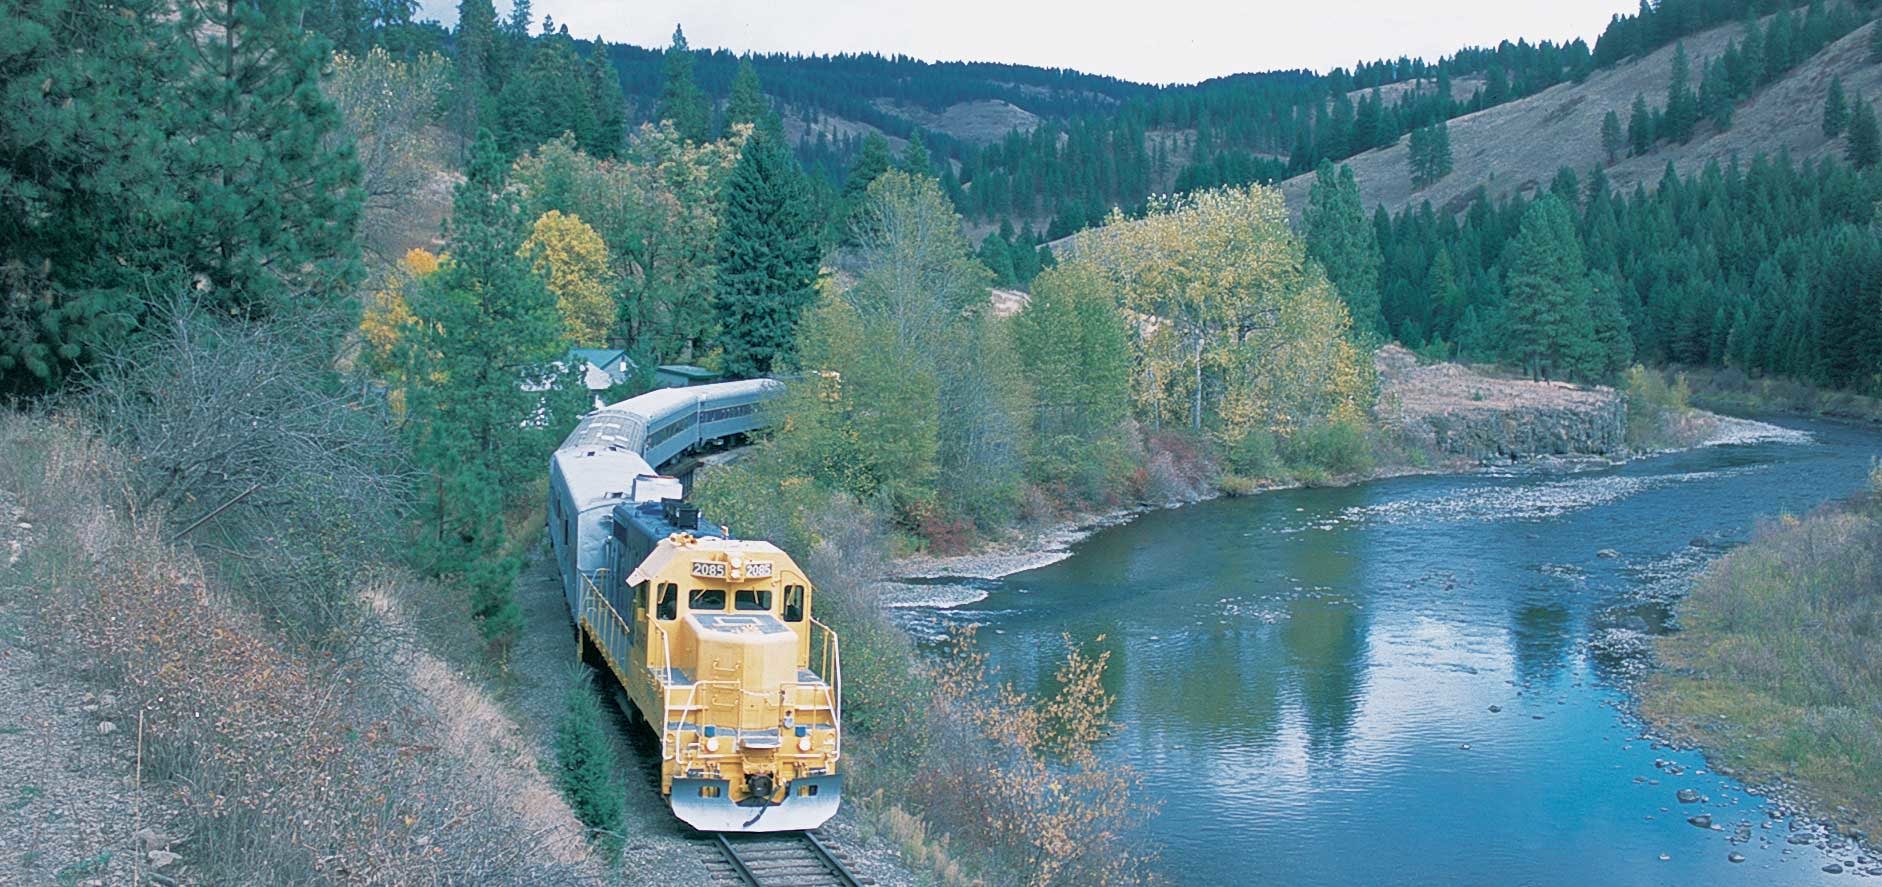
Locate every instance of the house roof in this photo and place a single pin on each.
(602, 357)
(688, 371)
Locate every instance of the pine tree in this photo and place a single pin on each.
(1550, 329)
(872, 161)
(1863, 150)
(1613, 344)
(553, 96)
(81, 178)
(767, 260)
(610, 104)
(1342, 241)
(1612, 139)
(1640, 127)
(481, 349)
(1682, 110)
(997, 255)
(1715, 95)
(475, 67)
(680, 99)
(1835, 111)
(915, 158)
(747, 102)
(517, 26)
(1875, 43)
(266, 237)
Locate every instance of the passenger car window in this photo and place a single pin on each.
(793, 603)
(752, 599)
(711, 599)
(669, 601)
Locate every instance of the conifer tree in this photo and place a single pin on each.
(1612, 139)
(872, 161)
(1682, 110)
(484, 337)
(680, 98)
(1612, 349)
(1875, 43)
(1551, 333)
(915, 158)
(610, 104)
(1835, 111)
(1863, 151)
(81, 131)
(997, 255)
(269, 200)
(1342, 241)
(747, 102)
(767, 260)
(1640, 127)
(475, 67)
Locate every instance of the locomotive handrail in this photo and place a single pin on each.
(833, 683)
(667, 737)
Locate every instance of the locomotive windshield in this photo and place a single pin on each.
(752, 599)
(712, 599)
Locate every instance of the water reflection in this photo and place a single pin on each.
(1305, 678)
(1540, 640)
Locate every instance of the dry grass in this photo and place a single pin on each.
(289, 764)
(979, 122)
(1516, 148)
(1775, 670)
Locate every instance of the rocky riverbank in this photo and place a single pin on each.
(1458, 411)
(1772, 669)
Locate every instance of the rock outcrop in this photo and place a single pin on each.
(1454, 410)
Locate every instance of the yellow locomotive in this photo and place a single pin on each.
(710, 637)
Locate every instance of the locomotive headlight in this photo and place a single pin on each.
(712, 743)
(803, 743)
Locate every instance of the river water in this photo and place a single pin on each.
(1305, 677)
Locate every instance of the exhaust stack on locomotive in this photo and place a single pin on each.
(711, 637)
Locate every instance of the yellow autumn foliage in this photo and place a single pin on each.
(573, 262)
(1237, 329)
(387, 313)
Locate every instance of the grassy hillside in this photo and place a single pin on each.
(1517, 147)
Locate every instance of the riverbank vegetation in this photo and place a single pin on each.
(1773, 669)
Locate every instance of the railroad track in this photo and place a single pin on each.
(783, 859)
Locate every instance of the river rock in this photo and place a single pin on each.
(1734, 856)
(1608, 553)
(1687, 796)
(1834, 868)
(1495, 708)
(1702, 820)
(148, 839)
(1800, 838)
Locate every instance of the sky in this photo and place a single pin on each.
(1159, 41)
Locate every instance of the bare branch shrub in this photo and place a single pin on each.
(218, 414)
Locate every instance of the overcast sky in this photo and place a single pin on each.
(1158, 41)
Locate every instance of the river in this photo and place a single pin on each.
(1305, 678)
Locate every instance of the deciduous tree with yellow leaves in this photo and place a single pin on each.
(1238, 331)
(572, 260)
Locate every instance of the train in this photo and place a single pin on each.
(710, 637)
